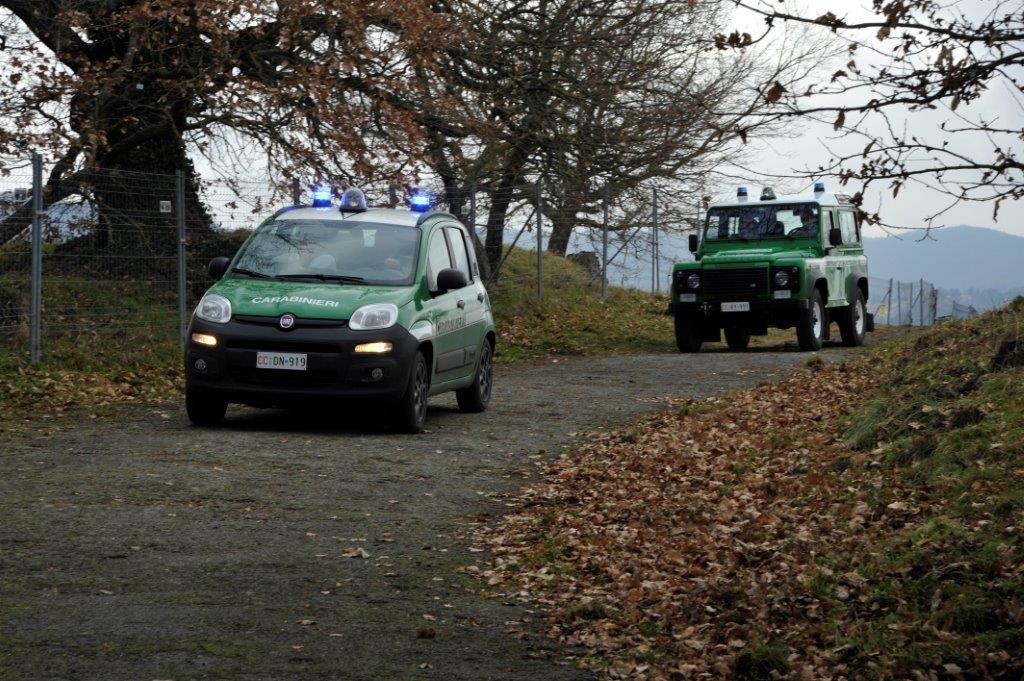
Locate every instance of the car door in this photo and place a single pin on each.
(447, 318)
(852, 249)
(834, 263)
(470, 299)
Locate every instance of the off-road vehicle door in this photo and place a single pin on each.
(835, 262)
(448, 319)
(468, 300)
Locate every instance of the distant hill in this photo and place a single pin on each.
(951, 258)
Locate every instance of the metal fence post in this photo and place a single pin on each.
(888, 306)
(36, 303)
(540, 241)
(604, 245)
(297, 192)
(655, 265)
(179, 209)
(921, 304)
(899, 303)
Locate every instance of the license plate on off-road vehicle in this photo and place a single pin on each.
(289, 361)
(735, 307)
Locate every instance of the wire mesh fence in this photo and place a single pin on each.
(123, 255)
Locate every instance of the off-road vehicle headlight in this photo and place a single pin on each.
(781, 279)
(214, 308)
(375, 316)
(693, 281)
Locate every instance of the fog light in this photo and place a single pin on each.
(204, 339)
(377, 348)
(200, 365)
(377, 374)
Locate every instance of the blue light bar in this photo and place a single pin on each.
(419, 202)
(321, 196)
(819, 187)
(741, 193)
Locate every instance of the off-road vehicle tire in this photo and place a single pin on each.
(810, 330)
(853, 322)
(688, 337)
(411, 410)
(475, 397)
(737, 339)
(204, 409)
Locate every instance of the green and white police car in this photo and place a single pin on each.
(782, 261)
(326, 302)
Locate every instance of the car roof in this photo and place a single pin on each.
(387, 216)
(827, 199)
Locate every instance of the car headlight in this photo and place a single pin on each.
(214, 308)
(693, 281)
(781, 279)
(376, 316)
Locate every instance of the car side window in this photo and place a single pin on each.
(458, 242)
(437, 258)
(848, 226)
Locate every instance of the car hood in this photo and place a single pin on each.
(739, 256)
(313, 300)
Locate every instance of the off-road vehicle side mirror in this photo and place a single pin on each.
(693, 243)
(450, 279)
(218, 266)
(835, 237)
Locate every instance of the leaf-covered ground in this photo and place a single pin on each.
(861, 520)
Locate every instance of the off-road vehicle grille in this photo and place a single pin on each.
(735, 283)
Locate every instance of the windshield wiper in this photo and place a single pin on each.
(249, 273)
(343, 278)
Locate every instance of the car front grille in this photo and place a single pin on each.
(735, 283)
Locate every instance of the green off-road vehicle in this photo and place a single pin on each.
(783, 261)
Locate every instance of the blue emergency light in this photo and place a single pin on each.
(321, 196)
(741, 193)
(819, 187)
(419, 202)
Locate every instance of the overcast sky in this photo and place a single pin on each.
(914, 202)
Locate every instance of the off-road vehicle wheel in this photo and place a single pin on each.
(204, 409)
(810, 330)
(854, 321)
(737, 339)
(475, 397)
(687, 335)
(411, 411)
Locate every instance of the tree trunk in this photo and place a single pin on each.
(495, 237)
(562, 224)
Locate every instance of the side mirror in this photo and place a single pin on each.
(835, 237)
(218, 266)
(693, 243)
(450, 279)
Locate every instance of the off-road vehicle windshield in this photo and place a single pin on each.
(767, 221)
(331, 250)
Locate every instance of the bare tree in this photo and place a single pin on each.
(917, 56)
(133, 85)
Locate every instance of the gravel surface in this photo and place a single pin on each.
(138, 547)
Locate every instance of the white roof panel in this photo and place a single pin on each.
(823, 199)
(388, 216)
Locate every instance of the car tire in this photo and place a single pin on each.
(854, 320)
(810, 330)
(688, 338)
(475, 397)
(204, 408)
(737, 339)
(411, 412)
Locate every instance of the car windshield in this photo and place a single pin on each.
(331, 250)
(765, 221)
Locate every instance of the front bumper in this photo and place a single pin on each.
(762, 314)
(333, 370)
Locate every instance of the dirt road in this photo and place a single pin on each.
(139, 547)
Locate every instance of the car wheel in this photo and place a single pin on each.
(204, 408)
(411, 415)
(475, 397)
(854, 321)
(810, 330)
(737, 339)
(688, 337)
